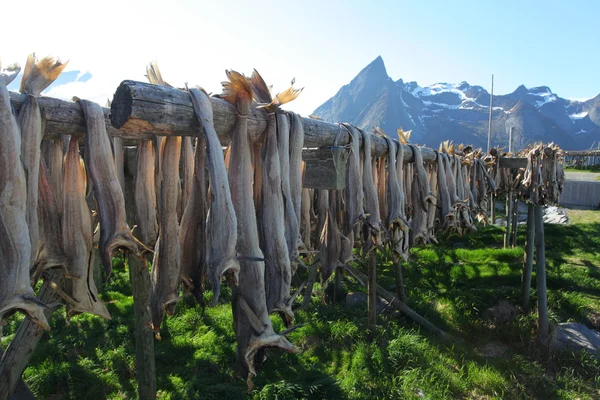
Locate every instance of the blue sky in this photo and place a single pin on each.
(323, 44)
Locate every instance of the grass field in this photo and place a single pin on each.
(451, 284)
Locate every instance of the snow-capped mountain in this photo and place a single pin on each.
(460, 112)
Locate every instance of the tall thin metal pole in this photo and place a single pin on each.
(489, 144)
(489, 147)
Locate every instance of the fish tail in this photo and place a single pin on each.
(262, 94)
(8, 74)
(154, 76)
(238, 91)
(38, 75)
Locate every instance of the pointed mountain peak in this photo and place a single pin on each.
(520, 89)
(375, 70)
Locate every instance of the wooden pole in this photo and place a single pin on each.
(337, 286)
(398, 278)
(144, 339)
(397, 304)
(21, 348)
(372, 291)
(528, 259)
(541, 275)
(515, 221)
(508, 218)
(141, 288)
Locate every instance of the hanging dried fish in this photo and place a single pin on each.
(52, 155)
(292, 224)
(145, 195)
(222, 230)
(374, 227)
(15, 246)
(252, 324)
(166, 266)
(37, 76)
(119, 157)
(114, 231)
(296, 146)
(80, 290)
(50, 254)
(272, 221)
(354, 188)
(306, 217)
(192, 233)
(187, 155)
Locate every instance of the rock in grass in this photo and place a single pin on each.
(573, 336)
(501, 313)
(356, 299)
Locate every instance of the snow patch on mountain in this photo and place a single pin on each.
(580, 115)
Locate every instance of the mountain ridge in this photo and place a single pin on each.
(460, 111)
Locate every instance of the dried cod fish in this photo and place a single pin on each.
(187, 154)
(15, 246)
(192, 233)
(37, 76)
(373, 226)
(50, 253)
(114, 231)
(252, 324)
(80, 290)
(145, 194)
(354, 188)
(221, 224)
(166, 266)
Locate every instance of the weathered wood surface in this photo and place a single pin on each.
(64, 117)
(141, 108)
(141, 287)
(528, 259)
(324, 170)
(21, 348)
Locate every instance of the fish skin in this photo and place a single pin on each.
(145, 194)
(222, 230)
(77, 239)
(354, 189)
(447, 215)
(166, 265)
(401, 237)
(52, 156)
(374, 225)
(16, 292)
(292, 225)
(331, 239)
(30, 122)
(192, 232)
(249, 301)
(278, 269)
(119, 157)
(37, 76)
(296, 145)
(305, 225)
(114, 230)
(50, 253)
(187, 154)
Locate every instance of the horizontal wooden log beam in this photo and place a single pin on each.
(142, 108)
(65, 117)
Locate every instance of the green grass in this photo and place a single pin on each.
(591, 168)
(450, 284)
